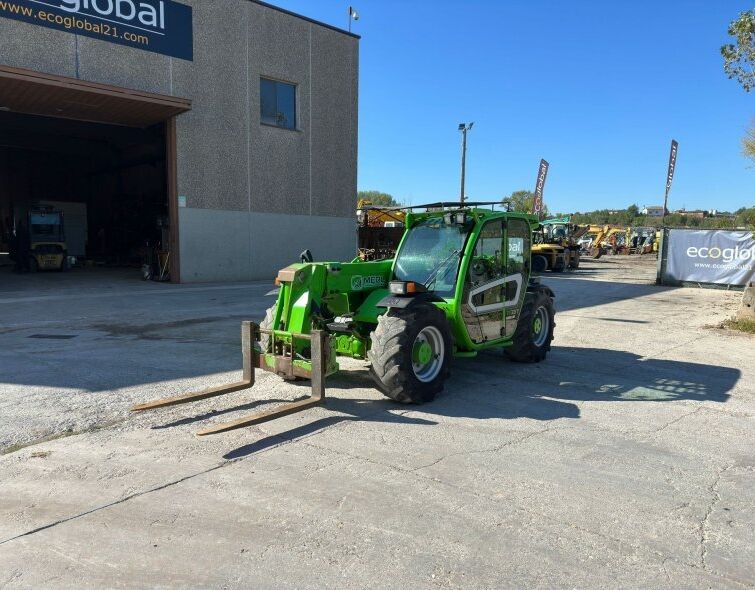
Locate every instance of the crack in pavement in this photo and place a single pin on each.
(490, 450)
(704, 523)
(111, 504)
(677, 419)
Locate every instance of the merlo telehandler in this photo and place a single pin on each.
(459, 284)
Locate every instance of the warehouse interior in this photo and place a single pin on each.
(109, 182)
(100, 158)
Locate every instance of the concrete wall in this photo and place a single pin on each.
(228, 245)
(266, 183)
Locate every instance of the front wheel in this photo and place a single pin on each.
(266, 324)
(539, 263)
(534, 331)
(410, 352)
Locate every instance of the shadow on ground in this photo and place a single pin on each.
(491, 388)
(128, 351)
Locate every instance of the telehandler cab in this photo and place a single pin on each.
(459, 284)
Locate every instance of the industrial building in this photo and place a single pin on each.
(216, 137)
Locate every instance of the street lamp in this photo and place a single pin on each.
(464, 127)
(353, 15)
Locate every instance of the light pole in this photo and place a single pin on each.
(464, 127)
(353, 15)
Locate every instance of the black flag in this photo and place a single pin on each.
(537, 205)
(670, 175)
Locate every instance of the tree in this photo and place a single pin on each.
(524, 201)
(739, 57)
(378, 199)
(748, 142)
(746, 218)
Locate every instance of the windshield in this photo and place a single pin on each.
(431, 251)
(46, 226)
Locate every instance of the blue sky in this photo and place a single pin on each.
(598, 89)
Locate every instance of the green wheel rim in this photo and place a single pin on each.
(540, 326)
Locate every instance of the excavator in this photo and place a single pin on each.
(642, 240)
(600, 239)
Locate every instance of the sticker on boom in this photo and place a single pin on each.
(359, 282)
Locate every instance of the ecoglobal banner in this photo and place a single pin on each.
(160, 26)
(722, 257)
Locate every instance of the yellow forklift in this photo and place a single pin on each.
(47, 247)
(555, 245)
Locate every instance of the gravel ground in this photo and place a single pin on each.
(624, 460)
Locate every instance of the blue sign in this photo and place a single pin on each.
(160, 26)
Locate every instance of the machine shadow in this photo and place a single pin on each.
(489, 387)
(573, 292)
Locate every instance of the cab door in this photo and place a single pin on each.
(518, 251)
(495, 281)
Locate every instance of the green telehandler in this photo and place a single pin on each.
(459, 284)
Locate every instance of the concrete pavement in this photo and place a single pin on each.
(624, 460)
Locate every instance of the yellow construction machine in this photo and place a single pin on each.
(47, 248)
(601, 239)
(556, 245)
(379, 230)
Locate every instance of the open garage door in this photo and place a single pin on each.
(99, 160)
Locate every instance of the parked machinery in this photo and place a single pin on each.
(601, 239)
(556, 245)
(47, 240)
(642, 240)
(379, 230)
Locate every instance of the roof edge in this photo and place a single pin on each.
(306, 18)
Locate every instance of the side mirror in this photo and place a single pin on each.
(306, 256)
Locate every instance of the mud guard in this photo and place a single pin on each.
(405, 301)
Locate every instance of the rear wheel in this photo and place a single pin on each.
(534, 332)
(410, 353)
(574, 263)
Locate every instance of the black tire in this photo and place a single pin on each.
(530, 346)
(266, 324)
(539, 263)
(393, 346)
(574, 260)
(33, 265)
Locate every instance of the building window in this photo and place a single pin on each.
(277, 103)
